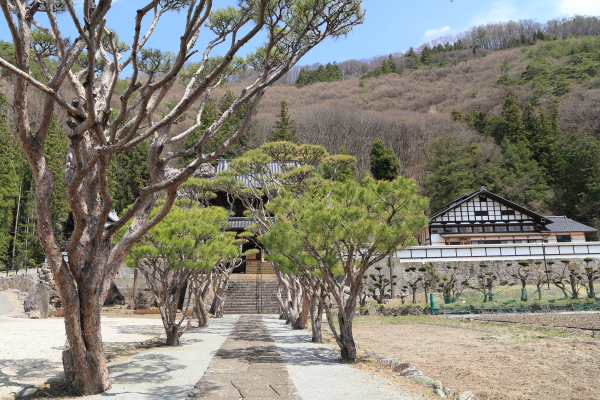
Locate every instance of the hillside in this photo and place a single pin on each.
(409, 109)
(518, 116)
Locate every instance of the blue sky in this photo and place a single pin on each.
(390, 25)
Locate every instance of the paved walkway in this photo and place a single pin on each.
(5, 305)
(168, 373)
(318, 374)
(247, 365)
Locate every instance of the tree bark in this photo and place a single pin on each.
(316, 318)
(302, 320)
(173, 335)
(345, 318)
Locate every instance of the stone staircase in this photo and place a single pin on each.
(252, 296)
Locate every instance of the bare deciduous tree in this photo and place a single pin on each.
(90, 66)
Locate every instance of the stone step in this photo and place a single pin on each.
(242, 296)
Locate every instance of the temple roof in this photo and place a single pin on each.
(466, 197)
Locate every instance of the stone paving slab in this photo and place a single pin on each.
(247, 366)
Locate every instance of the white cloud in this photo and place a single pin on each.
(436, 32)
(581, 7)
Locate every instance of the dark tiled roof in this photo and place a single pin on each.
(240, 222)
(254, 181)
(564, 224)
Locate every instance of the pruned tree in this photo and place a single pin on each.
(522, 274)
(591, 275)
(177, 256)
(539, 277)
(89, 66)
(412, 277)
(274, 168)
(568, 279)
(347, 227)
(448, 283)
(485, 280)
(222, 272)
(378, 285)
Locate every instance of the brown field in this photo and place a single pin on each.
(525, 359)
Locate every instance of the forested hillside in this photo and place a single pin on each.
(511, 106)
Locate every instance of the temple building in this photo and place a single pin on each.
(483, 218)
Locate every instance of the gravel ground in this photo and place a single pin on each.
(31, 349)
(317, 373)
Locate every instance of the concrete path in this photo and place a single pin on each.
(317, 372)
(5, 304)
(168, 373)
(247, 366)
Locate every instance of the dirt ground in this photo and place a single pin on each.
(494, 360)
(586, 321)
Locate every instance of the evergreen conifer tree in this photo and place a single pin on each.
(518, 177)
(451, 168)
(9, 189)
(514, 130)
(581, 177)
(545, 148)
(128, 173)
(285, 127)
(426, 55)
(383, 165)
(56, 150)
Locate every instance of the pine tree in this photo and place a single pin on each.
(285, 127)
(581, 177)
(412, 58)
(56, 154)
(518, 177)
(383, 165)
(512, 117)
(128, 173)
(343, 171)
(426, 55)
(545, 147)
(209, 115)
(451, 168)
(9, 189)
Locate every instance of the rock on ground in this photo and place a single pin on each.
(38, 300)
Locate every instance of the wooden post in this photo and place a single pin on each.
(135, 276)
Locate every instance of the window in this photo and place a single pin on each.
(514, 228)
(478, 229)
(451, 229)
(466, 229)
(452, 243)
(500, 228)
(481, 213)
(528, 227)
(436, 230)
(488, 228)
(563, 238)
